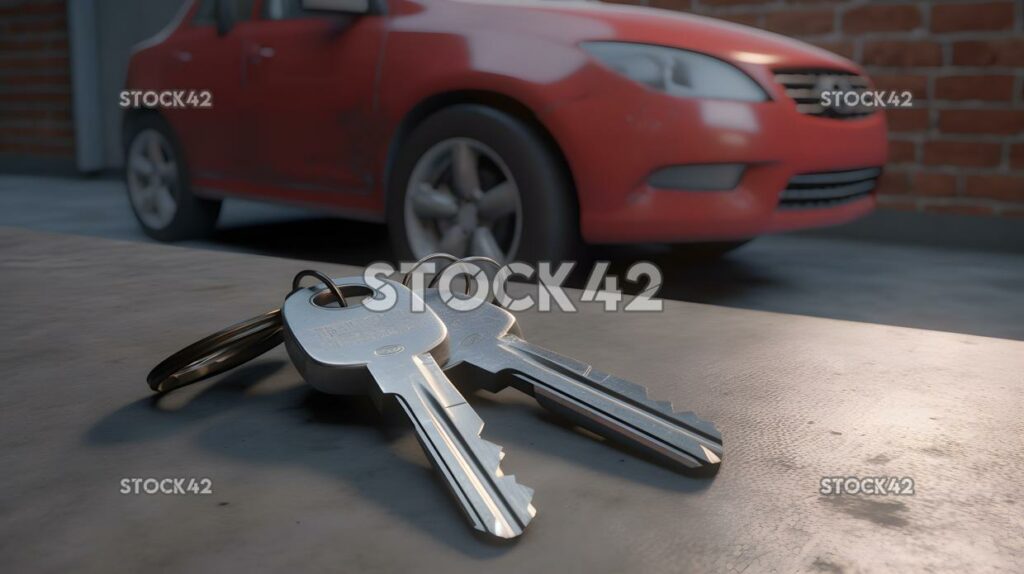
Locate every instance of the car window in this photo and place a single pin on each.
(206, 15)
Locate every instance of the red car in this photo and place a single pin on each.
(500, 128)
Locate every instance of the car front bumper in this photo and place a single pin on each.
(615, 141)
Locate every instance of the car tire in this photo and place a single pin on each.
(156, 178)
(503, 149)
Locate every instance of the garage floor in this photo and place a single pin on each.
(963, 291)
(303, 481)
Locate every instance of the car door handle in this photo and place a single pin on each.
(183, 56)
(261, 53)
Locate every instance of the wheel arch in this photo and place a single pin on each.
(495, 100)
(131, 118)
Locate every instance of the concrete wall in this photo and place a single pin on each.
(120, 25)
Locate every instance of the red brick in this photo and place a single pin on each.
(1008, 52)
(972, 16)
(34, 97)
(902, 151)
(40, 132)
(800, 23)
(907, 120)
(988, 88)
(899, 54)
(53, 149)
(1002, 122)
(681, 5)
(1017, 156)
(996, 186)
(51, 24)
(845, 49)
(916, 85)
(881, 18)
(744, 19)
(934, 184)
(62, 79)
(733, 2)
(60, 115)
(30, 44)
(894, 183)
(35, 8)
(33, 63)
(964, 154)
(897, 202)
(959, 208)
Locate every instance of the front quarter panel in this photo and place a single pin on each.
(441, 46)
(614, 132)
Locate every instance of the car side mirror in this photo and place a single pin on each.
(343, 6)
(224, 18)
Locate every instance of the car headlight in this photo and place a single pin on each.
(677, 72)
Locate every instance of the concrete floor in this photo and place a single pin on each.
(304, 481)
(963, 291)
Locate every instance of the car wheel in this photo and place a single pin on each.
(471, 180)
(158, 188)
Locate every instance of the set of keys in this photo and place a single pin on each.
(402, 357)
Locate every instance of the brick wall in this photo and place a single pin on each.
(35, 83)
(961, 148)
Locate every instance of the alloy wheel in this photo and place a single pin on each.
(153, 178)
(462, 199)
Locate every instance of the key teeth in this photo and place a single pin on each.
(493, 453)
(641, 394)
(689, 417)
(706, 426)
(628, 388)
(510, 483)
(507, 482)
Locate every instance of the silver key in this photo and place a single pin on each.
(487, 346)
(394, 357)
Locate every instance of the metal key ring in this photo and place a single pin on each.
(472, 259)
(230, 347)
(219, 352)
(324, 278)
(446, 256)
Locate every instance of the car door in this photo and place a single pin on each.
(204, 63)
(308, 83)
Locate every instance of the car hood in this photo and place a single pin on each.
(579, 21)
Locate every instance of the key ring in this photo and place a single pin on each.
(452, 261)
(472, 259)
(324, 279)
(446, 256)
(219, 352)
(230, 347)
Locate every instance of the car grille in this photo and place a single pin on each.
(806, 86)
(828, 189)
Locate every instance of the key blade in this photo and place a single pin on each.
(612, 407)
(449, 431)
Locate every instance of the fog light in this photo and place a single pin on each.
(698, 177)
